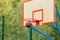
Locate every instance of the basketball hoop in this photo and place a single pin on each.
(38, 14)
(29, 22)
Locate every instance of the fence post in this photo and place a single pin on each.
(2, 27)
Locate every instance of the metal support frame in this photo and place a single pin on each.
(45, 35)
(56, 24)
(30, 33)
(57, 10)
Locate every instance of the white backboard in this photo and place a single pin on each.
(42, 10)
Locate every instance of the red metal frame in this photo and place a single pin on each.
(33, 15)
(23, 13)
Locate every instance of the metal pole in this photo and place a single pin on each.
(59, 19)
(2, 27)
(45, 35)
(30, 33)
(57, 11)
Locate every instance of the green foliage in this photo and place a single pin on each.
(13, 22)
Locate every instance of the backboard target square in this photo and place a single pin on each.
(37, 15)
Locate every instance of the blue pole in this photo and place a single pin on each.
(56, 24)
(58, 28)
(2, 27)
(45, 35)
(59, 19)
(30, 33)
(57, 11)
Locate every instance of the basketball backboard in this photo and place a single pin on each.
(39, 12)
